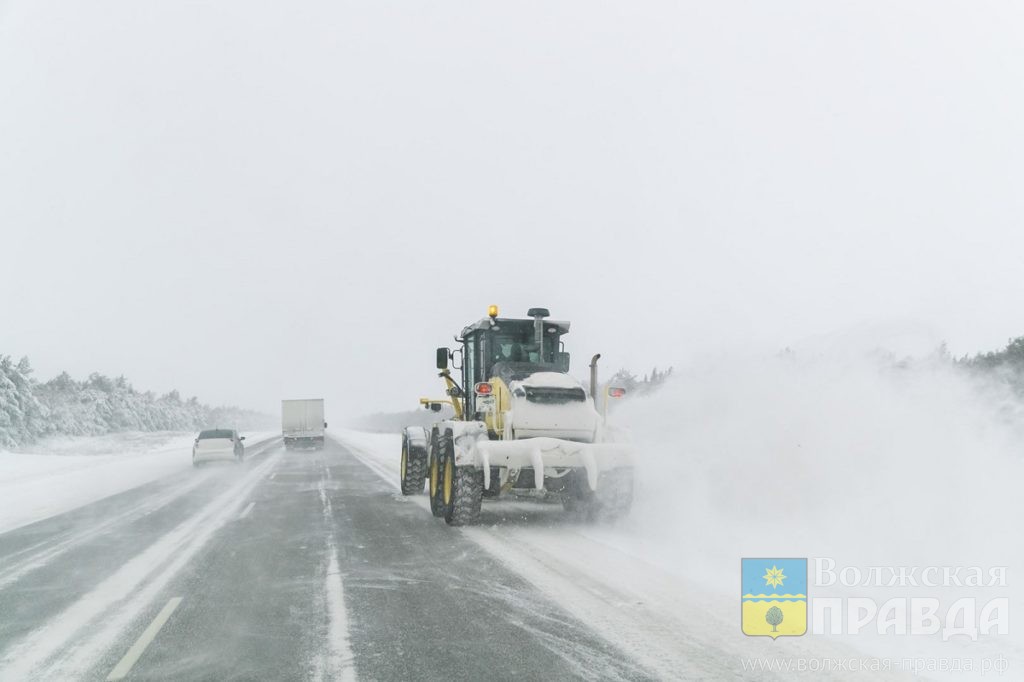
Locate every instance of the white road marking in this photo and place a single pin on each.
(148, 635)
(339, 663)
(341, 653)
(245, 512)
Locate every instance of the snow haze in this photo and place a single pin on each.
(255, 201)
(848, 457)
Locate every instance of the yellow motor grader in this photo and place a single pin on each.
(522, 425)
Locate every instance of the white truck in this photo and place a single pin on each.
(302, 423)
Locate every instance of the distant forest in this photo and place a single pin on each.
(1006, 364)
(30, 410)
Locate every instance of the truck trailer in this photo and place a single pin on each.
(302, 423)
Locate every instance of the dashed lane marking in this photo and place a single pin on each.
(149, 634)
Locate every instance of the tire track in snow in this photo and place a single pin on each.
(41, 554)
(52, 650)
(654, 640)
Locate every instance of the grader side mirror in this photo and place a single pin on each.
(442, 358)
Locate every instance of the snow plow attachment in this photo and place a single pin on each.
(552, 456)
(595, 479)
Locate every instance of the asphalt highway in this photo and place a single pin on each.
(290, 566)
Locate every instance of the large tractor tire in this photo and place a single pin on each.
(612, 500)
(413, 471)
(462, 487)
(436, 469)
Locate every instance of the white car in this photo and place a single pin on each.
(218, 445)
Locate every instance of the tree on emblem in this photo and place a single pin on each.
(774, 617)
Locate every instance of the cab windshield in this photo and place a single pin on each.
(511, 343)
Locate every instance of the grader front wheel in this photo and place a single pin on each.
(414, 466)
(436, 472)
(463, 487)
(467, 491)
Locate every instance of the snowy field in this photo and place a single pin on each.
(57, 475)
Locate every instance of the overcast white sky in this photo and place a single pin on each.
(255, 200)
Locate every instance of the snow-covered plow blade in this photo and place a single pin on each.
(553, 456)
(595, 479)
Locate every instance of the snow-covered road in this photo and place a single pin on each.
(663, 621)
(312, 565)
(299, 565)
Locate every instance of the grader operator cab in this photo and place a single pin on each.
(522, 425)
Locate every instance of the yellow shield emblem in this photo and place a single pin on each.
(774, 597)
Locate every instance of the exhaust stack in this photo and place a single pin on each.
(538, 315)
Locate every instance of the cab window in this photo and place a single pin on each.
(470, 362)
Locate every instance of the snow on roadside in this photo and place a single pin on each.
(385, 448)
(107, 444)
(57, 475)
(852, 457)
